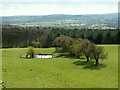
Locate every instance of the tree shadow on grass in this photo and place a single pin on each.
(89, 65)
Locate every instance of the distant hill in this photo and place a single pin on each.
(92, 20)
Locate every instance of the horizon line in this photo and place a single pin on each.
(58, 14)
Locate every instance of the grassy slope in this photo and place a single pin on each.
(58, 72)
(0, 67)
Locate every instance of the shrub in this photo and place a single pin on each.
(30, 52)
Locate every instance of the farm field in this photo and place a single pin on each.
(58, 72)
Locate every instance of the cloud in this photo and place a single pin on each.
(10, 9)
(116, 1)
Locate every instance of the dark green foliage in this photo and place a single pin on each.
(15, 36)
(107, 36)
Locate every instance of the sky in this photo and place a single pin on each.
(47, 7)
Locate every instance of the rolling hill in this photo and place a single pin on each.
(61, 20)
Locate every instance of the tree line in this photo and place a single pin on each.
(16, 36)
(98, 36)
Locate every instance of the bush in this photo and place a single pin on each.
(30, 52)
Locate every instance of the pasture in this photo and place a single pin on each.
(61, 72)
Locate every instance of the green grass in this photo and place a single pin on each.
(0, 67)
(58, 72)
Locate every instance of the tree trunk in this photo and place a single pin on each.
(87, 59)
(32, 55)
(97, 61)
(27, 56)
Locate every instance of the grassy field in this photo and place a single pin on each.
(0, 67)
(58, 72)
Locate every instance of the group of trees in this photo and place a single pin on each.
(16, 36)
(79, 47)
(98, 36)
(75, 42)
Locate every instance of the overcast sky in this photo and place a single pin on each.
(46, 7)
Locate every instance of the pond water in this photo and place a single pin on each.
(42, 56)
